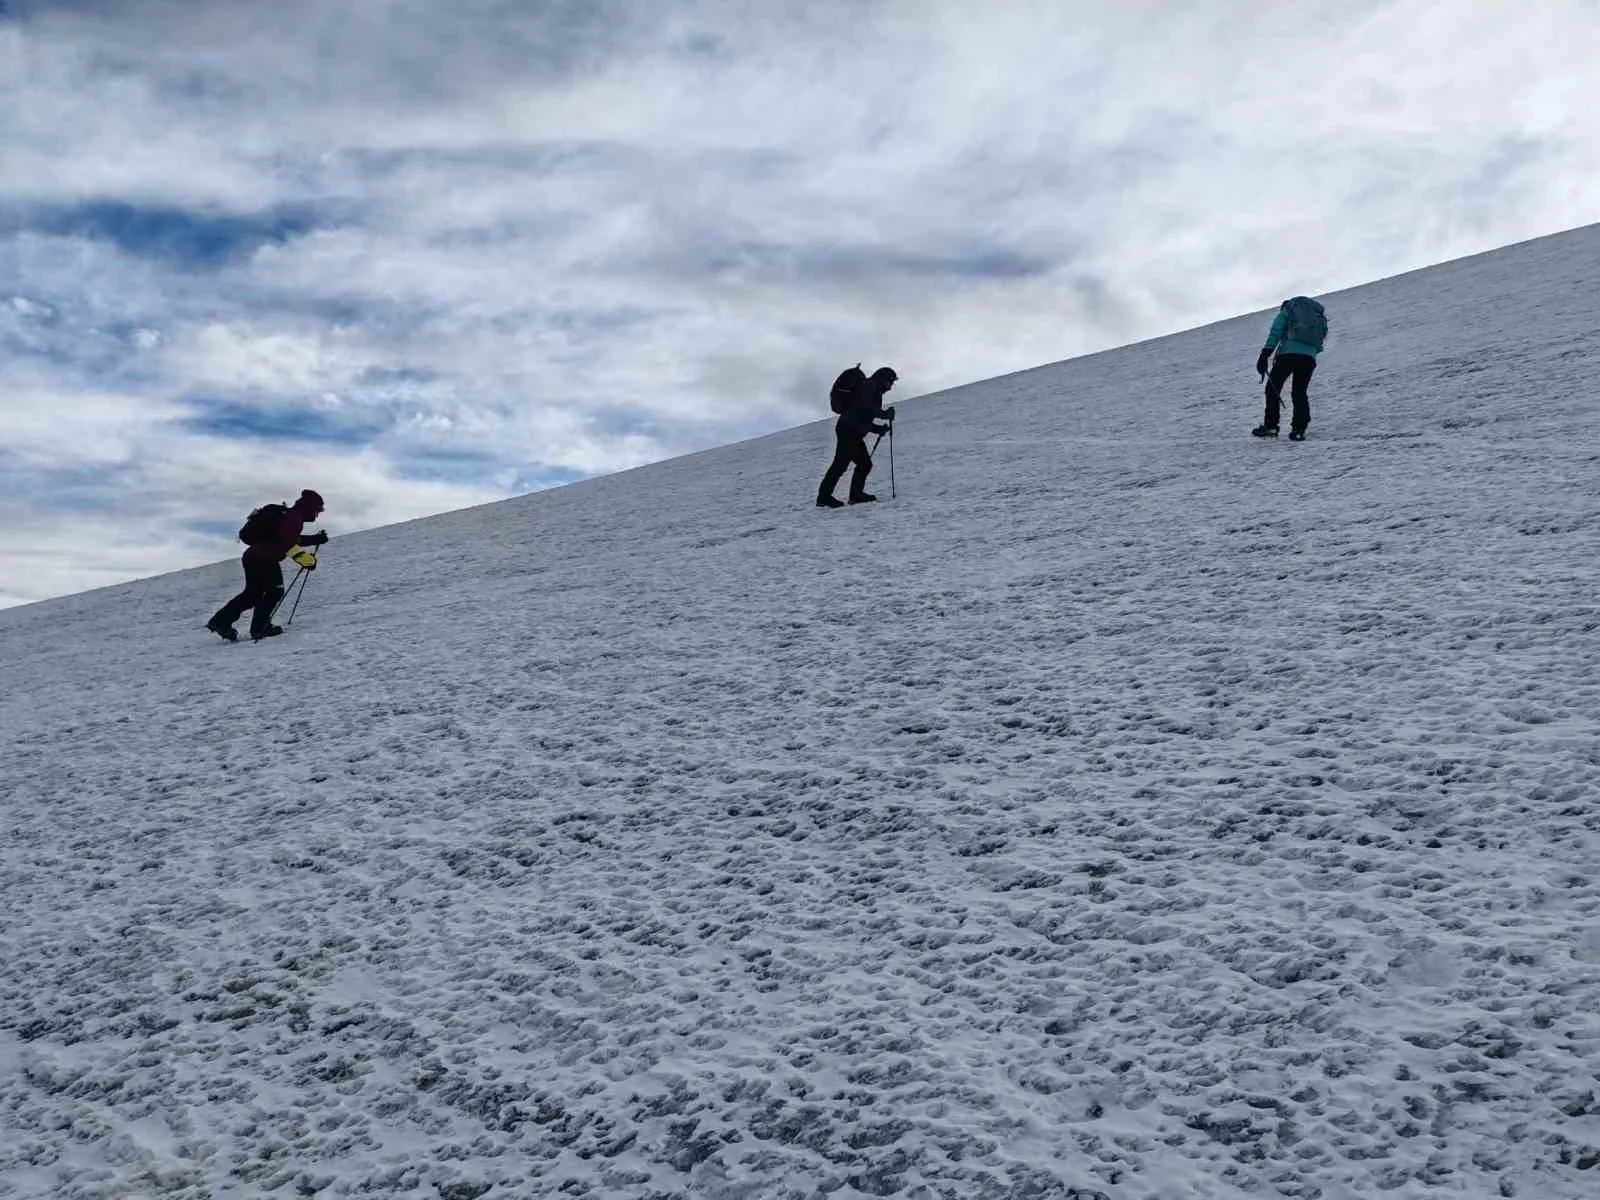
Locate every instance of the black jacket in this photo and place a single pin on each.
(865, 407)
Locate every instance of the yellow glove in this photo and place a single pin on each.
(304, 558)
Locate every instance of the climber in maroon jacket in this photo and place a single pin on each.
(270, 534)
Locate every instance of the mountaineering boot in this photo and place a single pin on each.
(1264, 431)
(226, 632)
(269, 631)
(862, 498)
(828, 502)
(1297, 435)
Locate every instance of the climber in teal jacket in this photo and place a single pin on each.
(1298, 332)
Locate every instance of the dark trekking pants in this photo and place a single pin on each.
(1298, 367)
(849, 448)
(263, 588)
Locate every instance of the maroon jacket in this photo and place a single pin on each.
(284, 539)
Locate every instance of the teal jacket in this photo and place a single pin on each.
(1277, 341)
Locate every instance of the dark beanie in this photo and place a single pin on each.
(310, 499)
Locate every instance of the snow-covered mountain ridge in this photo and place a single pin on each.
(1130, 808)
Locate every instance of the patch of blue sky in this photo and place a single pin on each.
(278, 422)
(185, 238)
(76, 488)
(447, 466)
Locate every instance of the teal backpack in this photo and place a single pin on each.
(1305, 322)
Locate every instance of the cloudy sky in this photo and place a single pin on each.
(422, 255)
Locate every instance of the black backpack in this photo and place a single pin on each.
(846, 388)
(262, 523)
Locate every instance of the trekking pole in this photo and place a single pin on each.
(286, 592)
(308, 563)
(891, 460)
(304, 575)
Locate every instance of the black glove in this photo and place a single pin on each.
(889, 412)
(1263, 360)
(880, 430)
(316, 539)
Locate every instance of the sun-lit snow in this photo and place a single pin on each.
(1129, 809)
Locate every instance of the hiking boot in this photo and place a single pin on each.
(226, 632)
(829, 502)
(1297, 435)
(269, 631)
(862, 498)
(1264, 431)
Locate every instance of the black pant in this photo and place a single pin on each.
(263, 588)
(1284, 366)
(848, 448)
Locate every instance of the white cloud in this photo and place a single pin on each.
(85, 428)
(233, 355)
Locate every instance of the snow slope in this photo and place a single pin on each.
(1131, 809)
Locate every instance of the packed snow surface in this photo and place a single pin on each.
(1128, 809)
